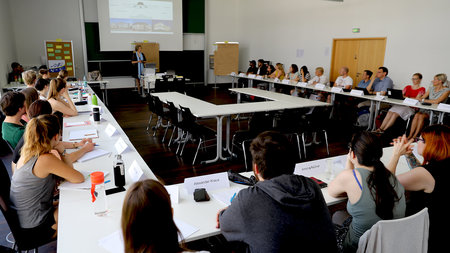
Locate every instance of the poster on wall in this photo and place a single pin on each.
(54, 66)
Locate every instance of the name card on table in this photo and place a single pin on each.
(357, 92)
(135, 172)
(110, 130)
(209, 182)
(311, 169)
(379, 97)
(320, 86)
(259, 77)
(121, 146)
(173, 192)
(410, 101)
(233, 74)
(251, 76)
(285, 81)
(302, 84)
(242, 74)
(336, 89)
(276, 80)
(445, 107)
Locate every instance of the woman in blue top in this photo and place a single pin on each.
(373, 191)
(138, 60)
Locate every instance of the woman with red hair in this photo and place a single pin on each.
(428, 183)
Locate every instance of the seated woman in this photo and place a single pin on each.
(405, 112)
(428, 182)
(42, 86)
(279, 72)
(33, 182)
(436, 93)
(305, 76)
(31, 95)
(43, 107)
(373, 191)
(63, 74)
(142, 232)
(58, 97)
(293, 75)
(43, 74)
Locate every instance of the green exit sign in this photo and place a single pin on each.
(355, 30)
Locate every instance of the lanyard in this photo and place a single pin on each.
(140, 65)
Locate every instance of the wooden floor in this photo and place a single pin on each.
(132, 114)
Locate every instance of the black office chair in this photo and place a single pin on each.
(179, 85)
(315, 123)
(25, 239)
(162, 112)
(192, 130)
(151, 108)
(162, 85)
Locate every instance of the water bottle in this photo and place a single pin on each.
(94, 99)
(89, 99)
(98, 193)
(84, 82)
(119, 171)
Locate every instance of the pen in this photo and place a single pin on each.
(107, 181)
(234, 195)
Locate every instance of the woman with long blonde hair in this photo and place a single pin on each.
(58, 97)
(33, 182)
(279, 72)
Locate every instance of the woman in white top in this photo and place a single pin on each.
(58, 97)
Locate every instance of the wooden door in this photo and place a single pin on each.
(358, 55)
(344, 54)
(370, 56)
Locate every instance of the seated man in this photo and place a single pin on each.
(367, 74)
(344, 80)
(262, 69)
(283, 212)
(14, 75)
(13, 106)
(29, 78)
(381, 83)
(252, 69)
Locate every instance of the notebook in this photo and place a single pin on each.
(93, 154)
(81, 134)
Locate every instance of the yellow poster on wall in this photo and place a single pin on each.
(59, 57)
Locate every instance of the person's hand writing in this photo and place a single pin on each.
(82, 142)
(88, 147)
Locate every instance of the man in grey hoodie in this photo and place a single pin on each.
(283, 212)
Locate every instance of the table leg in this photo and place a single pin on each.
(431, 117)
(370, 115)
(228, 134)
(250, 83)
(218, 142)
(441, 118)
(377, 109)
(271, 86)
(105, 93)
(239, 98)
(233, 81)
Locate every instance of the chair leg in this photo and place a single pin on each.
(184, 144)
(245, 156)
(149, 122)
(326, 141)
(165, 132)
(158, 123)
(304, 145)
(196, 153)
(179, 143)
(171, 136)
(298, 146)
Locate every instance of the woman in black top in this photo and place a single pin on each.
(428, 183)
(138, 61)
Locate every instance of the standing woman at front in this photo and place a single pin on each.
(138, 60)
(58, 97)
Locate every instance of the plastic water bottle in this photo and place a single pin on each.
(94, 99)
(84, 82)
(89, 99)
(98, 193)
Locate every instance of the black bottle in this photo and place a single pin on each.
(119, 171)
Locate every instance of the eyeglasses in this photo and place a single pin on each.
(415, 79)
(417, 139)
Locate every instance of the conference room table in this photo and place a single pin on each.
(78, 228)
(203, 109)
(374, 100)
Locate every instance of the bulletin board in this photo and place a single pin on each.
(151, 52)
(59, 57)
(226, 58)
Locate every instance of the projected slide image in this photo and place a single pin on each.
(141, 16)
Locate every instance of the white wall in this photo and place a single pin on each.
(37, 21)
(221, 25)
(417, 33)
(7, 45)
